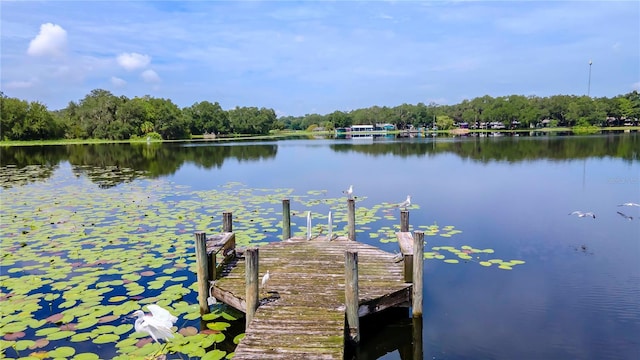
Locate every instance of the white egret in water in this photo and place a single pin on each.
(265, 279)
(349, 191)
(308, 225)
(583, 214)
(157, 324)
(405, 204)
(330, 226)
(629, 204)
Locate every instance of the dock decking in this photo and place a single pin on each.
(302, 308)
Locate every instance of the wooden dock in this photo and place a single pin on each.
(318, 289)
(302, 310)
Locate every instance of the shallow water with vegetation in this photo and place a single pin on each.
(91, 233)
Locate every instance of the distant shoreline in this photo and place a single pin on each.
(284, 134)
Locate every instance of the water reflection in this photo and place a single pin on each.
(111, 164)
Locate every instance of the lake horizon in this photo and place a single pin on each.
(577, 294)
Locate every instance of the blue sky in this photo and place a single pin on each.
(317, 56)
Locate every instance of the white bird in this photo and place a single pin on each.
(625, 215)
(308, 225)
(330, 226)
(349, 191)
(629, 204)
(405, 204)
(583, 214)
(158, 324)
(265, 279)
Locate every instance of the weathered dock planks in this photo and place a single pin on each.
(302, 311)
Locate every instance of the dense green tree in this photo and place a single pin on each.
(205, 117)
(444, 122)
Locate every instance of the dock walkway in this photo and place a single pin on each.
(302, 307)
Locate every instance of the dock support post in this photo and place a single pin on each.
(418, 264)
(202, 271)
(251, 281)
(351, 295)
(286, 219)
(417, 337)
(351, 218)
(404, 220)
(227, 221)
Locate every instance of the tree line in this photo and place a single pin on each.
(103, 115)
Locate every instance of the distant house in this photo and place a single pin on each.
(387, 127)
(545, 122)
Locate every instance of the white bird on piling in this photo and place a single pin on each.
(405, 204)
(330, 226)
(583, 214)
(158, 324)
(349, 191)
(629, 204)
(265, 279)
(308, 225)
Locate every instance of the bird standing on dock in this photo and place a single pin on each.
(629, 204)
(265, 279)
(349, 191)
(158, 324)
(330, 226)
(583, 214)
(405, 204)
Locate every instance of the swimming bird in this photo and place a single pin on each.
(405, 204)
(157, 324)
(265, 279)
(625, 215)
(629, 204)
(349, 191)
(583, 214)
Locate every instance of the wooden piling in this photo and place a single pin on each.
(351, 219)
(417, 337)
(251, 281)
(286, 219)
(227, 222)
(404, 220)
(418, 265)
(202, 271)
(351, 295)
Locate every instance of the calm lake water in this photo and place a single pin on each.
(577, 296)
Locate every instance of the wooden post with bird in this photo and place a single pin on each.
(351, 219)
(202, 271)
(352, 295)
(404, 220)
(286, 219)
(251, 281)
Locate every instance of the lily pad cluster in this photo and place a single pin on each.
(467, 253)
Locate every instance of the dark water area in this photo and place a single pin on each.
(577, 296)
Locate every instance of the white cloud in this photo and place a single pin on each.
(150, 76)
(19, 84)
(116, 81)
(52, 40)
(133, 61)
